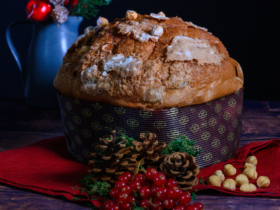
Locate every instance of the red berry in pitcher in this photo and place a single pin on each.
(38, 10)
(119, 184)
(128, 174)
(171, 183)
(139, 177)
(126, 206)
(132, 199)
(107, 204)
(161, 193)
(145, 203)
(174, 193)
(179, 207)
(114, 207)
(114, 193)
(199, 206)
(159, 179)
(168, 203)
(126, 189)
(123, 197)
(145, 192)
(150, 173)
(135, 185)
(185, 198)
(154, 190)
(157, 205)
(124, 178)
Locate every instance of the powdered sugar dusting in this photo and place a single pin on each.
(140, 31)
(195, 26)
(157, 16)
(124, 66)
(87, 74)
(185, 48)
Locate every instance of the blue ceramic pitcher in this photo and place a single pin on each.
(48, 46)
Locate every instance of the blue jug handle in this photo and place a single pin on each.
(10, 42)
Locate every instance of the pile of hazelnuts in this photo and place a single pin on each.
(241, 180)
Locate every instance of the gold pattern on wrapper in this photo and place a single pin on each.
(217, 108)
(97, 106)
(77, 119)
(184, 120)
(63, 113)
(202, 114)
(86, 133)
(146, 114)
(120, 131)
(70, 126)
(224, 150)
(209, 103)
(86, 153)
(227, 116)
(203, 125)
(172, 112)
(120, 110)
(86, 112)
(78, 139)
(217, 161)
(108, 118)
(232, 102)
(222, 129)
(68, 106)
(132, 123)
(73, 145)
(108, 128)
(223, 98)
(207, 157)
(194, 128)
(216, 143)
(212, 122)
(77, 101)
(230, 136)
(235, 123)
(96, 126)
(173, 134)
(239, 110)
(79, 158)
(160, 124)
(205, 135)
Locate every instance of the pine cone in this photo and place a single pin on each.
(182, 167)
(60, 14)
(150, 149)
(115, 160)
(55, 2)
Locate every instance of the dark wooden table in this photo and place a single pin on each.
(21, 125)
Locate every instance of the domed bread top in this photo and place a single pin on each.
(148, 62)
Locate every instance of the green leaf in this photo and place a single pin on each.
(202, 181)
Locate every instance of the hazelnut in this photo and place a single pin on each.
(249, 165)
(248, 187)
(157, 31)
(251, 173)
(229, 170)
(214, 180)
(263, 181)
(88, 29)
(241, 179)
(220, 174)
(162, 14)
(229, 184)
(102, 22)
(131, 15)
(252, 159)
(83, 50)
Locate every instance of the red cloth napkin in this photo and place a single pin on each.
(47, 167)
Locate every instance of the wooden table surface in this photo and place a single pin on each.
(21, 125)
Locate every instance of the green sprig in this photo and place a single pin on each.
(98, 188)
(202, 181)
(87, 8)
(182, 144)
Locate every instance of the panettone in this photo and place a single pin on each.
(151, 62)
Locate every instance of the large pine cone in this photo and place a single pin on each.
(115, 160)
(182, 167)
(150, 149)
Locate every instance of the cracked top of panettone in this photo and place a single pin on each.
(151, 62)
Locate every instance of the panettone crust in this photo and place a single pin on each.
(124, 64)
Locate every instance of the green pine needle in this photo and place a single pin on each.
(182, 144)
(87, 8)
(193, 195)
(202, 181)
(101, 189)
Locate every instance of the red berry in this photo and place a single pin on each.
(132, 199)
(191, 207)
(126, 206)
(199, 206)
(168, 203)
(135, 185)
(66, 2)
(174, 193)
(145, 192)
(162, 193)
(185, 198)
(123, 197)
(126, 189)
(157, 205)
(150, 173)
(119, 184)
(171, 183)
(38, 10)
(145, 203)
(107, 204)
(179, 207)
(147, 184)
(114, 193)
(154, 190)
(129, 175)
(123, 178)
(159, 179)
(139, 177)
(114, 207)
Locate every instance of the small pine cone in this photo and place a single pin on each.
(182, 167)
(60, 14)
(55, 2)
(150, 149)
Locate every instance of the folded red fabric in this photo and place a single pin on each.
(47, 167)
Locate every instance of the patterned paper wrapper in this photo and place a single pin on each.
(215, 125)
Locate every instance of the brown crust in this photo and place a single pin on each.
(156, 84)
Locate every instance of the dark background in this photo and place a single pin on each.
(248, 29)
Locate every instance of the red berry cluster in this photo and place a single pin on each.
(152, 190)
